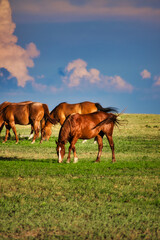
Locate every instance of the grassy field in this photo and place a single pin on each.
(42, 199)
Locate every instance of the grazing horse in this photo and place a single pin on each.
(63, 110)
(24, 114)
(5, 104)
(86, 126)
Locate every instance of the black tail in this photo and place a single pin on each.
(47, 115)
(111, 118)
(109, 109)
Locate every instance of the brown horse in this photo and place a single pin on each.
(5, 104)
(86, 126)
(24, 114)
(63, 110)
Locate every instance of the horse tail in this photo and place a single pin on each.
(112, 118)
(47, 114)
(108, 109)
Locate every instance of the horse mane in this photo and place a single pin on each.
(108, 109)
(65, 130)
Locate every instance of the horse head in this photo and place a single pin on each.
(46, 133)
(60, 150)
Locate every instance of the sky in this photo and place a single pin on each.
(105, 51)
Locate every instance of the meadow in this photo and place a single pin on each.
(42, 199)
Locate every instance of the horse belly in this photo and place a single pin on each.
(88, 133)
(21, 118)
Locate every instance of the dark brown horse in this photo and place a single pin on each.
(5, 104)
(24, 114)
(86, 126)
(63, 110)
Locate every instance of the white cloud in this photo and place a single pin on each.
(145, 74)
(117, 83)
(13, 57)
(157, 79)
(76, 73)
(66, 10)
(38, 86)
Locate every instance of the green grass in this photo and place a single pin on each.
(42, 199)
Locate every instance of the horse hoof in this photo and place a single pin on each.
(75, 160)
(31, 136)
(32, 142)
(16, 142)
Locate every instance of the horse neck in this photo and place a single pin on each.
(64, 133)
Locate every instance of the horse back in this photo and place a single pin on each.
(83, 125)
(88, 107)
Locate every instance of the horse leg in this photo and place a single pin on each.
(111, 143)
(36, 127)
(1, 127)
(12, 125)
(95, 140)
(7, 133)
(72, 148)
(69, 154)
(75, 155)
(99, 139)
(31, 134)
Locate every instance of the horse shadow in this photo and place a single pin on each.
(12, 159)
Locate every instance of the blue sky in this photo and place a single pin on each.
(68, 50)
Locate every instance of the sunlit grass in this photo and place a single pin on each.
(42, 199)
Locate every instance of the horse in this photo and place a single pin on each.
(6, 103)
(24, 114)
(86, 126)
(63, 110)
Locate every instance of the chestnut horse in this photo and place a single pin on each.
(5, 104)
(24, 114)
(86, 126)
(63, 110)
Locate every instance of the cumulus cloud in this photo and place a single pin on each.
(145, 74)
(13, 57)
(76, 73)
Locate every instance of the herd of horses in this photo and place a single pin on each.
(84, 120)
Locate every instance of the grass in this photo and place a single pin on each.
(41, 199)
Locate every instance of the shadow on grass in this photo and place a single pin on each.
(27, 160)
